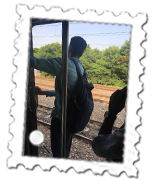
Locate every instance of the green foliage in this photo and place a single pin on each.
(124, 51)
(107, 67)
(45, 74)
(50, 51)
(35, 52)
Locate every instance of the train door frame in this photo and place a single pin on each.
(31, 118)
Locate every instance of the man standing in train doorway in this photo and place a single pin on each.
(54, 67)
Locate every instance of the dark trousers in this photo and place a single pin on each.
(56, 138)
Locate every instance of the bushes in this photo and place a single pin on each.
(42, 73)
(107, 67)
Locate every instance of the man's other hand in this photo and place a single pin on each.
(117, 101)
(38, 91)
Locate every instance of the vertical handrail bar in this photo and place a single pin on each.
(65, 27)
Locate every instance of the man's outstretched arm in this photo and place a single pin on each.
(49, 65)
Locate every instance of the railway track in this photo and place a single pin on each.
(76, 135)
(81, 145)
(90, 120)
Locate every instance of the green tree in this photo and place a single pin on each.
(125, 48)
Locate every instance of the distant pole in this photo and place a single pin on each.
(65, 29)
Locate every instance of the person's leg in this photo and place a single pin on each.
(56, 137)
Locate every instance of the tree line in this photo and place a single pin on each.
(106, 67)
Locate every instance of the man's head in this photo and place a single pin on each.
(77, 46)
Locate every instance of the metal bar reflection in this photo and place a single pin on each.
(65, 26)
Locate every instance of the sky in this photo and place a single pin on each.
(99, 36)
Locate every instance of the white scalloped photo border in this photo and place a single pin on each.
(134, 103)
